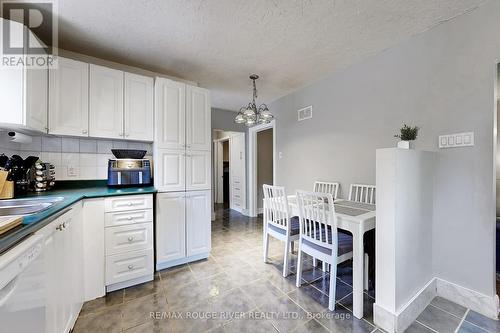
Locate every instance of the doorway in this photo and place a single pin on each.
(229, 171)
(262, 163)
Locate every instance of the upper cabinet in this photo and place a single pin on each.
(198, 124)
(69, 98)
(106, 103)
(138, 107)
(170, 130)
(23, 95)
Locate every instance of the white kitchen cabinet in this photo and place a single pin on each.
(138, 107)
(23, 93)
(94, 253)
(170, 113)
(63, 255)
(198, 166)
(198, 119)
(183, 227)
(198, 222)
(69, 98)
(170, 170)
(106, 102)
(170, 227)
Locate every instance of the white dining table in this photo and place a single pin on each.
(357, 218)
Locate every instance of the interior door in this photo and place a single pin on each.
(198, 222)
(69, 98)
(106, 102)
(138, 107)
(198, 125)
(170, 170)
(170, 227)
(170, 117)
(198, 170)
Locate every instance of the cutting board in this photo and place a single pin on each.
(9, 222)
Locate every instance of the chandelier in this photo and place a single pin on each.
(250, 115)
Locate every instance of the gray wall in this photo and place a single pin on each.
(224, 120)
(442, 80)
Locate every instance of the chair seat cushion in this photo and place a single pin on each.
(294, 227)
(344, 242)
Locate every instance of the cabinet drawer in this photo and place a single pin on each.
(129, 202)
(129, 238)
(128, 217)
(128, 266)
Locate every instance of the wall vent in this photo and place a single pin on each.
(305, 113)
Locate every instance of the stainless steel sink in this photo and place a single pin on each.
(26, 206)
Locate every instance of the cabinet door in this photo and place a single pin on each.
(76, 286)
(52, 277)
(138, 107)
(198, 176)
(198, 222)
(36, 89)
(169, 171)
(170, 114)
(69, 98)
(198, 120)
(237, 188)
(170, 227)
(106, 102)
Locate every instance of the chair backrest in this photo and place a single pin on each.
(327, 187)
(318, 222)
(362, 193)
(276, 209)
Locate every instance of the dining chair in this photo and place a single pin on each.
(327, 187)
(318, 236)
(362, 193)
(278, 223)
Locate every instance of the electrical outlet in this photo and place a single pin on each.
(72, 171)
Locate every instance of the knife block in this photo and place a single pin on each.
(7, 191)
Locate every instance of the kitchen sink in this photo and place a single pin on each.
(26, 206)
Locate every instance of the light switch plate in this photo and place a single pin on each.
(456, 140)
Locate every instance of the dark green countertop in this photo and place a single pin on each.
(72, 192)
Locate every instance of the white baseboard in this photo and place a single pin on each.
(485, 305)
(399, 321)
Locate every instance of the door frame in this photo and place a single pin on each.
(252, 163)
(218, 169)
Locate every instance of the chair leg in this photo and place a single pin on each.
(325, 266)
(292, 246)
(266, 245)
(333, 286)
(299, 268)
(366, 271)
(285, 263)
(315, 262)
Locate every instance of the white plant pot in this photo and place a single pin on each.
(405, 144)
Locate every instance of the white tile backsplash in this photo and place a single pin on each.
(88, 158)
(70, 145)
(50, 143)
(88, 146)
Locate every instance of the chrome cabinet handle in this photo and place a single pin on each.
(84, 132)
(130, 238)
(59, 227)
(130, 266)
(127, 135)
(130, 204)
(64, 225)
(129, 218)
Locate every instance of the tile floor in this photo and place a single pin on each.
(234, 291)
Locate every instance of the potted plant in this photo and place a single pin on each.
(407, 134)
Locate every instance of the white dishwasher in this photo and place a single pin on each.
(23, 287)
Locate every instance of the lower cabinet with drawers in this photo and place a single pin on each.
(118, 241)
(128, 238)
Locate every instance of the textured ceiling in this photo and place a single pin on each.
(218, 43)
